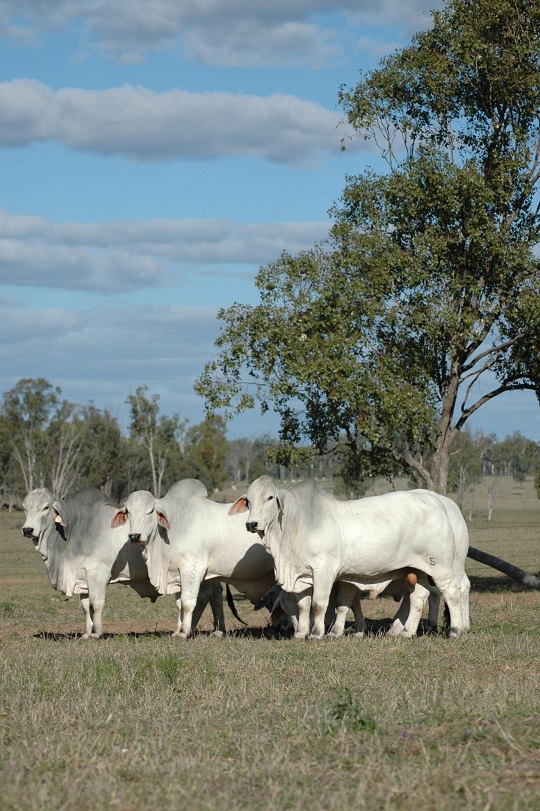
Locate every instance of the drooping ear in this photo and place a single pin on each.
(57, 514)
(239, 506)
(162, 518)
(119, 519)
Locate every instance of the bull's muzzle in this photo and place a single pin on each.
(28, 532)
(251, 526)
(135, 537)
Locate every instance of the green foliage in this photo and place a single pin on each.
(348, 486)
(46, 434)
(159, 436)
(428, 280)
(8, 608)
(465, 463)
(104, 451)
(207, 452)
(346, 713)
(515, 456)
(28, 408)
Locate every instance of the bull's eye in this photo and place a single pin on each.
(270, 498)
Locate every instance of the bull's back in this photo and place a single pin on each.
(395, 530)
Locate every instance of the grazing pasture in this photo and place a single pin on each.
(139, 720)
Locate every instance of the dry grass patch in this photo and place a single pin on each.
(141, 721)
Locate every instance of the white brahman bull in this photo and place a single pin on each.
(82, 553)
(316, 540)
(188, 538)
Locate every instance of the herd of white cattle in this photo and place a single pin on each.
(300, 551)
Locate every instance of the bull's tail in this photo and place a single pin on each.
(230, 603)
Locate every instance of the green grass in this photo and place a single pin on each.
(139, 720)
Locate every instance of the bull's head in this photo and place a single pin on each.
(38, 516)
(263, 503)
(143, 514)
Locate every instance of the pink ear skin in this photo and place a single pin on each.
(119, 519)
(162, 519)
(58, 518)
(239, 506)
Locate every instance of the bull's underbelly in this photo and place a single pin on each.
(367, 570)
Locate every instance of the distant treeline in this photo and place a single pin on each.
(46, 441)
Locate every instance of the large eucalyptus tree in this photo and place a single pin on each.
(424, 303)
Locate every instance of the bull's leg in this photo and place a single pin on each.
(97, 627)
(85, 605)
(417, 601)
(210, 592)
(359, 621)
(284, 612)
(321, 595)
(455, 593)
(409, 614)
(191, 578)
(97, 584)
(346, 594)
(464, 595)
(434, 601)
(400, 619)
(178, 600)
(303, 610)
(202, 601)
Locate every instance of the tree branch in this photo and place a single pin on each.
(492, 350)
(466, 413)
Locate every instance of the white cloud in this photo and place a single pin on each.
(67, 268)
(252, 44)
(141, 124)
(125, 256)
(216, 32)
(104, 353)
(409, 16)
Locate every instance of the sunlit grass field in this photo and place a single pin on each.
(138, 720)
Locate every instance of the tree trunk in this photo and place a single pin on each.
(503, 566)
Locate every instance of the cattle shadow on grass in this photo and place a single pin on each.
(374, 628)
(73, 636)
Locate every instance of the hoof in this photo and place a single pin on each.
(401, 633)
(180, 635)
(218, 634)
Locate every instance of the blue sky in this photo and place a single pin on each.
(153, 156)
